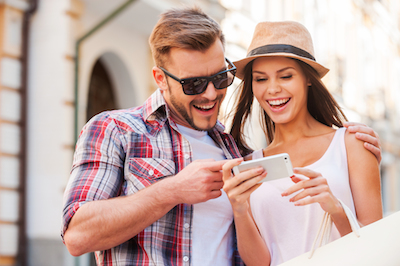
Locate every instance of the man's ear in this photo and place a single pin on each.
(160, 78)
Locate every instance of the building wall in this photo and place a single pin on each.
(50, 119)
(122, 58)
(55, 29)
(11, 129)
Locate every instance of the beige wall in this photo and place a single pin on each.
(10, 130)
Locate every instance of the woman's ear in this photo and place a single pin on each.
(160, 78)
(309, 82)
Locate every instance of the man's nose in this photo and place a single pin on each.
(210, 92)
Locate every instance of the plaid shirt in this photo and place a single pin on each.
(121, 152)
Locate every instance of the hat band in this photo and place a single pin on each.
(280, 48)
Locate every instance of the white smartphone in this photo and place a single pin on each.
(277, 166)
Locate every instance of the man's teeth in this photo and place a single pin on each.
(204, 107)
(278, 102)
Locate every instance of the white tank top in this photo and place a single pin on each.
(289, 230)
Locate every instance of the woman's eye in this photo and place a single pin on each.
(287, 77)
(259, 79)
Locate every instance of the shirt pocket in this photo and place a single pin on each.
(147, 171)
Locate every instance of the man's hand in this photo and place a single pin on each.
(368, 135)
(103, 224)
(199, 181)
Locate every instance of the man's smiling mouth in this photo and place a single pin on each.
(204, 107)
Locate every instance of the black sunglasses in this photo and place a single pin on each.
(197, 85)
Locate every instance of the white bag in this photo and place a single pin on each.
(378, 244)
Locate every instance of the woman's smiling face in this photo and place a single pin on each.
(280, 87)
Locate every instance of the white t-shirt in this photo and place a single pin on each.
(212, 227)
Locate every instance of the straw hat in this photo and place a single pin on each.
(287, 38)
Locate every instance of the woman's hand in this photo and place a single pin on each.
(251, 246)
(314, 189)
(239, 187)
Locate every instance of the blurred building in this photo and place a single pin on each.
(63, 61)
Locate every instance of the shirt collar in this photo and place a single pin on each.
(219, 126)
(155, 107)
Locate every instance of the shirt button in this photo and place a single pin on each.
(186, 225)
(187, 156)
(185, 258)
(151, 173)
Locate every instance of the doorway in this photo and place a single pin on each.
(101, 92)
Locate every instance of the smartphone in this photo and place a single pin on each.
(277, 166)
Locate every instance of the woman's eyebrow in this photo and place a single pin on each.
(283, 69)
(280, 70)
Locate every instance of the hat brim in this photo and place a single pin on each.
(241, 64)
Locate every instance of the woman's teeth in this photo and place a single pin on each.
(279, 102)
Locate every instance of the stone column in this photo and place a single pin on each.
(11, 16)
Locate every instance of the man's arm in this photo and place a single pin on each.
(96, 217)
(368, 135)
(103, 224)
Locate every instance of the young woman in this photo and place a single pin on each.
(278, 220)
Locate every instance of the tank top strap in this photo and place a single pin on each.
(336, 150)
(257, 154)
(338, 140)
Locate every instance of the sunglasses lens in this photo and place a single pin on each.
(195, 86)
(223, 80)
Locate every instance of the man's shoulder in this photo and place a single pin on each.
(133, 114)
(124, 119)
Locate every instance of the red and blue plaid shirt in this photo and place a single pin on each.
(121, 152)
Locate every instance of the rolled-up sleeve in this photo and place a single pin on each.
(97, 171)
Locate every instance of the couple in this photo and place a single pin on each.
(146, 183)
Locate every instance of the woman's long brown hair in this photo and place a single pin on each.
(320, 103)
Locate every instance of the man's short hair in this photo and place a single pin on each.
(188, 28)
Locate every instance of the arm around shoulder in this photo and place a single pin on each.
(365, 180)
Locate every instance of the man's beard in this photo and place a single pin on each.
(183, 112)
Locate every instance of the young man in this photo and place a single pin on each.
(145, 188)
